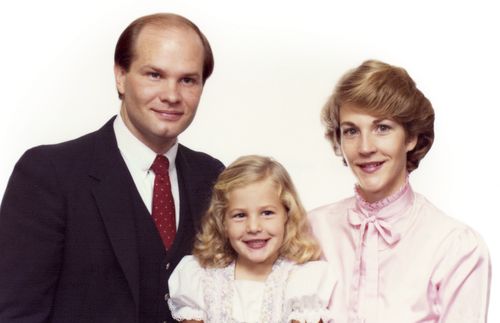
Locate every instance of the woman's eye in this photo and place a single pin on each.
(383, 128)
(349, 132)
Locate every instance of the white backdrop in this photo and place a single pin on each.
(276, 63)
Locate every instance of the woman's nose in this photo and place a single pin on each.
(366, 144)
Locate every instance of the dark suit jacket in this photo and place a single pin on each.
(68, 238)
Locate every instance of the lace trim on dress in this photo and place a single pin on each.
(180, 313)
(377, 205)
(217, 288)
(219, 293)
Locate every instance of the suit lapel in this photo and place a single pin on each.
(191, 189)
(113, 192)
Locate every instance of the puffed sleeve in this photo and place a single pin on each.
(186, 291)
(462, 278)
(308, 292)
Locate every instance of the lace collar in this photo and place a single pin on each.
(395, 212)
(377, 206)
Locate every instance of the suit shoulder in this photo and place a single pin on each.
(69, 154)
(200, 159)
(71, 148)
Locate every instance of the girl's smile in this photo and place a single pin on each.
(255, 225)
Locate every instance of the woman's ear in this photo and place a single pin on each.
(411, 143)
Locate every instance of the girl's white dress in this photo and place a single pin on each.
(291, 292)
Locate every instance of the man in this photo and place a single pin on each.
(85, 233)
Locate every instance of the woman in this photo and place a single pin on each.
(401, 260)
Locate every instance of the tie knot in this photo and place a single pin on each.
(160, 165)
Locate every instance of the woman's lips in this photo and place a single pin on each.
(256, 244)
(370, 167)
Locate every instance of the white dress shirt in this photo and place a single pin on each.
(139, 158)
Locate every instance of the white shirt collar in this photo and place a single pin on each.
(138, 155)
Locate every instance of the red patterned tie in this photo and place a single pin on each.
(163, 210)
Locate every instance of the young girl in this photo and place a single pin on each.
(253, 259)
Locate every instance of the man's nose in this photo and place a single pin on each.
(170, 92)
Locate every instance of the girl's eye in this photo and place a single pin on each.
(238, 215)
(267, 213)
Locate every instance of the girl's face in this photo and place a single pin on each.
(375, 150)
(255, 225)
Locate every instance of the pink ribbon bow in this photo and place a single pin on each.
(359, 219)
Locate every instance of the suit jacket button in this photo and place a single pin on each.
(167, 266)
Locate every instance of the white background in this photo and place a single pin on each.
(276, 63)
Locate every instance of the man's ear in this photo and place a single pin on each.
(120, 76)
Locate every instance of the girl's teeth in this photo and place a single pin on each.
(255, 244)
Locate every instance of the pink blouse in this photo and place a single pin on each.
(401, 260)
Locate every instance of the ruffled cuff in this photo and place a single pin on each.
(181, 312)
(308, 309)
(186, 291)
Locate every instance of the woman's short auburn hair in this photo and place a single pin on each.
(212, 247)
(384, 91)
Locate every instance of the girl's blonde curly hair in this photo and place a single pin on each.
(212, 248)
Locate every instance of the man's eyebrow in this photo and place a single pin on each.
(149, 66)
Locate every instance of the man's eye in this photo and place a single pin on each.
(154, 75)
(188, 80)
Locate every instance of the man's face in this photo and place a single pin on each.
(162, 88)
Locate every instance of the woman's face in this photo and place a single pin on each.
(375, 150)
